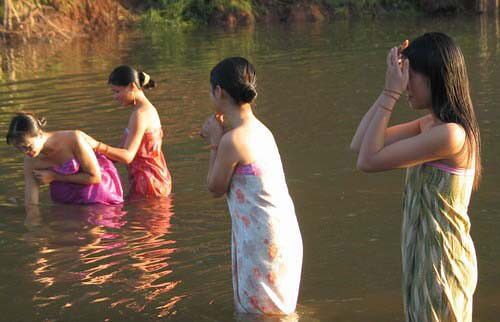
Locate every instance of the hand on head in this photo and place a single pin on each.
(397, 74)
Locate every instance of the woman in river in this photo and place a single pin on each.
(245, 165)
(141, 148)
(65, 161)
(441, 152)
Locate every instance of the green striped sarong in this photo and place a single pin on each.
(439, 260)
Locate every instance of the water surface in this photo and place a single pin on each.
(170, 260)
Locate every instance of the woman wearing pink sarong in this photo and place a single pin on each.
(64, 160)
(246, 166)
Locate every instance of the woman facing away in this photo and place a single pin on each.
(64, 160)
(441, 152)
(141, 150)
(246, 166)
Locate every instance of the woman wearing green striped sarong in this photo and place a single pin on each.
(441, 152)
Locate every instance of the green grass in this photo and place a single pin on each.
(369, 5)
(1, 11)
(184, 13)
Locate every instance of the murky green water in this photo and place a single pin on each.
(171, 261)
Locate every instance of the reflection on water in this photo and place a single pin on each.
(103, 255)
(140, 262)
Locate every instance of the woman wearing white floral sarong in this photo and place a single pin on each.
(245, 165)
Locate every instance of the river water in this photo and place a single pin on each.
(149, 261)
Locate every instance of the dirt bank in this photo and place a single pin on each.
(64, 19)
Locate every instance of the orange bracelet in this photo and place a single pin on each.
(392, 91)
(391, 96)
(385, 108)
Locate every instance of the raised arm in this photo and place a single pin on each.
(358, 137)
(391, 134)
(223, 161)
(136, 128)
(440, 142)
(223, 156)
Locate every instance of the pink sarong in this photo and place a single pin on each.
(107, 192)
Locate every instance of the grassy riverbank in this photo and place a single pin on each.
(69, 18)
(234, 12)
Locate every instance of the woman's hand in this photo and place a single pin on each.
(44, 176)
(212, 130)
(397, 76)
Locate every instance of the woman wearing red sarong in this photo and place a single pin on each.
(141, 149)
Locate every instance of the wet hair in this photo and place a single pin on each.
(237, 77)
(436, 56)
(24, 125)
(125, 75)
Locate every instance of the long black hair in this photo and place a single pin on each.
(237, 77)
(436, 56)
(24, 125)
(125, 75)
